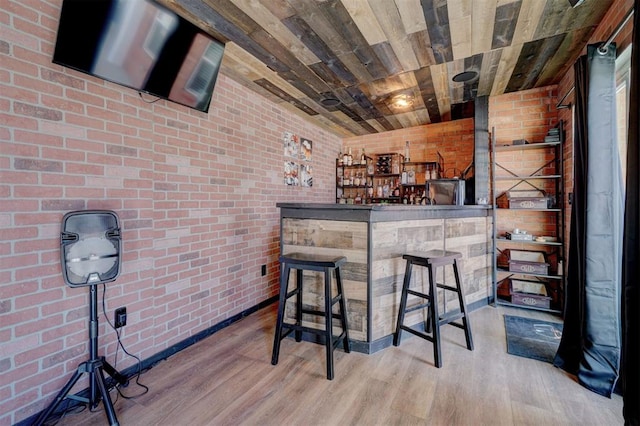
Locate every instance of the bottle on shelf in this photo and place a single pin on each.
(406, 152)
(385, 189)
(370, 168)
(395, 166)
(379, 191)
(349, 158)
(340, 158)
(363, 158)
(396, 189)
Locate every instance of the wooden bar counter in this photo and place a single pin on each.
(374, 238)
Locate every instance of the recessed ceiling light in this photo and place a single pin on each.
(330, 101)
(465, 76)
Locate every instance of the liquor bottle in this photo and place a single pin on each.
(379, 191)
(345, 157)
(395, 167)
(396, 190)
(385, 189)
(349, 158)
(363, 158)
(340, 158)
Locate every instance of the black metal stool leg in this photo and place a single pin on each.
(328, 322)
(435, 320)
(284, 281)
(463, 308)
(299, 287)
(403, 302)
(343, 312)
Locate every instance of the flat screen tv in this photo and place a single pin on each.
(141, 45)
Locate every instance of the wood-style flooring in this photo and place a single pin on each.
(228, 379)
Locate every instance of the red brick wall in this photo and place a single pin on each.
(453, 139)
(526, 115)
(195, 193)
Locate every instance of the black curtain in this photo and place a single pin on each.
(591, 339)
(631, 248)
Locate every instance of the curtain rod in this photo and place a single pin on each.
(559, 105)
(603, 48)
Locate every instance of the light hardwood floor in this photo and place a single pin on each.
(228, 379)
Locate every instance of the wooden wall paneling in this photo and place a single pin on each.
(338, 15)
(488, 70)
(436, 17)
(411, 15)
(393, 28)
(558, 65)
(224, 30)
(558, 15)
(267, 85)
(460, 25)
(388, 56)
(428, 93)
(305, 33)
(505, 23)
(533, 57)
(369, 110)
(389, 243)
(263, 16)
(408, 119)
(507, 63)
(468, 236)
(279, 8)
(482, 23)
(440, 78)
(366, 20)
(324, 237)
(421, 45)
(528, 21)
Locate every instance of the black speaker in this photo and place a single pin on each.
(90, 247)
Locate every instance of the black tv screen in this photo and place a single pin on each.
(142, 45)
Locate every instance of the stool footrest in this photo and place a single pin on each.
(320, 313)
(417, 293)
(448, 319)
(417, 307)
(417, 333)
(448, 287)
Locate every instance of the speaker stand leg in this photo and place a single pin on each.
(94, 367)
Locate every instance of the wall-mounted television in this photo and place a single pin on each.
(141, 45)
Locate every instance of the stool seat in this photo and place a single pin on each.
(433, 257)
(313, 261)
(326, 264)
(432, 260)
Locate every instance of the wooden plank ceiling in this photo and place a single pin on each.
(368, 54)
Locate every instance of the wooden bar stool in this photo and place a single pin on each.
(312, 262)
(432, 260)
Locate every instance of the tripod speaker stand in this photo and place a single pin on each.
(90, 255)
(95, 368)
